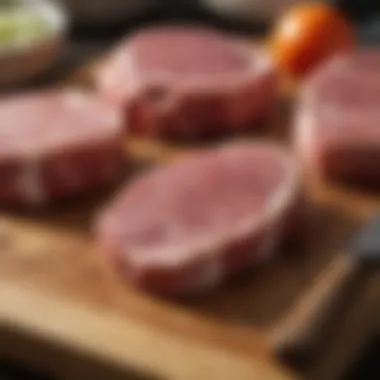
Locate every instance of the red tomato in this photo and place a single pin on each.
(307, 34)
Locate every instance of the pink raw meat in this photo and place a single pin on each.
(55, 144)
(337, 129)
(188, 225)
(183, 81)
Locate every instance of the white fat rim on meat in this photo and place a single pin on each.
(108, 73)
(304, 133)
(305, 139)
(209, 251)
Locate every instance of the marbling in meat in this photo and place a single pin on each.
(54, 144)
(188, 225)
(187, 81)
(337, 131)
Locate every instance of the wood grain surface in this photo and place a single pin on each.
(55, 287)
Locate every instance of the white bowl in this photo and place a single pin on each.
(23, 62)
(107, 11)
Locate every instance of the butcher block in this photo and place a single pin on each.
(64, 309)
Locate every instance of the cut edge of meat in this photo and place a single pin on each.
(310, 114)
(347, 162)
(29, 183)
(159, 107)
(277, 207)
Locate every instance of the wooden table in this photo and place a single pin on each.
(63, 309)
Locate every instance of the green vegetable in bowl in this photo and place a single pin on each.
(20, 26)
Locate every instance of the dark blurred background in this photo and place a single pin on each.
(89, 38)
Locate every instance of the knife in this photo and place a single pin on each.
(299, 335)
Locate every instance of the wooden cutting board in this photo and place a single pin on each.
(62, 308)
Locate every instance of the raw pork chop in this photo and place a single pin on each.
(337, 128)
(55, 144)
(183, 81)
(188, 225)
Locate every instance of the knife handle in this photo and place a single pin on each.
(297, 335)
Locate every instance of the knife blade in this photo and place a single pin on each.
(300, 334)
